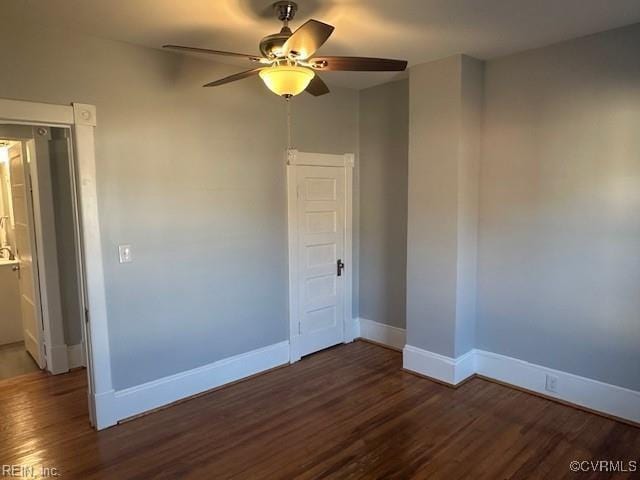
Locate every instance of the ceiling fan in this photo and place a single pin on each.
(288, 65)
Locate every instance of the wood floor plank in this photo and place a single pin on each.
(349, 412)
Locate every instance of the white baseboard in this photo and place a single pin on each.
(352, 329)
(105, 411)
(157, 393)
(592, 394)
(439, 367)
(380, 333)
(75, 354)
(58, 360)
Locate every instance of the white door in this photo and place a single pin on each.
(25, 249)
(320, 240)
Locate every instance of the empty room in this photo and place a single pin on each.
(347, 239)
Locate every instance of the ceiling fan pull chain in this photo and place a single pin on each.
(288, 101)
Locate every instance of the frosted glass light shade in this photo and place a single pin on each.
(287, 80)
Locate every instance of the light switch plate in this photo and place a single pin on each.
(125, 253)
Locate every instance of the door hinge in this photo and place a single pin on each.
(44, 350)
(86, 315)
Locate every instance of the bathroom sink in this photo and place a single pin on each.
(6, 261)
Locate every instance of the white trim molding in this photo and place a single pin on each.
(58, 359)
(84, 114)
(352, 328)
(348, 247)
(151, 395)
(105, 409)
(296, 157)
(439, 367)
(35, 113)
(75, 355)
(585, 392)
(381, 333)
(96, 325)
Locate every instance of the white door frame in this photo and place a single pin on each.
(81, 119)
(297, 159)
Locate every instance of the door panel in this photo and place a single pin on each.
(25, 243)
(321, 243)
(19, 207)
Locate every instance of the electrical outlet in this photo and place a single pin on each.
(125, 254)
(551, 384)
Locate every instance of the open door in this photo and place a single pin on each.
(25, 250)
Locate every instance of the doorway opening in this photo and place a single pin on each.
(42, 304)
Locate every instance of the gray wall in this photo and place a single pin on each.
(445, 104)
(193, 179)
(434, 95)
(469, 156)
(559, 269)
(384, 142)
(59, 149)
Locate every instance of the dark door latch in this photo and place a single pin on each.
(340, 267)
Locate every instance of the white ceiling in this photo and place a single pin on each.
(416, 30)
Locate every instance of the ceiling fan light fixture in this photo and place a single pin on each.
(291, 56)
(287, 80)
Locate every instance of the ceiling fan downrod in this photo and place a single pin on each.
(286, 11)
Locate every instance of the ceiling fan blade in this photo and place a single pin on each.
(233, 78)
(180, 48)
(357, 64)
(307, 39)
(317, 87)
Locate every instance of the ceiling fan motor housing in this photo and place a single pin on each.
(271, 45)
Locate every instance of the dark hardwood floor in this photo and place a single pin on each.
(347, 412)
